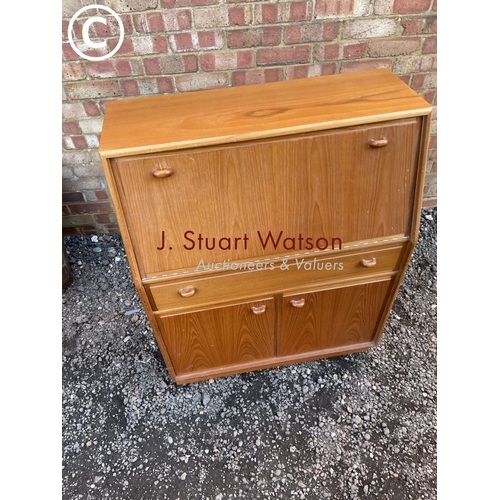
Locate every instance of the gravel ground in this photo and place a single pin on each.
(352, 427)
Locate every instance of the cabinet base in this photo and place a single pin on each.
(187, 378)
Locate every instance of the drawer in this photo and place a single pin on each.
(302, 272)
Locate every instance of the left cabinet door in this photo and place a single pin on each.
(236, 336)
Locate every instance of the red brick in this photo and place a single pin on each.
(79, 142)
(420, 25)
(254, 76)
(342, 50)
(140, 45)
(217, 61)
(186, 3)
(65, 26)
(91, 108)
(102, 105)
(207, 40)
(410, 6)
(254, 37)
(72, 197)
(352, 50)
(214, 17)
(393, 47)
(159, 22)
(70, 127)
(335, 8)
(283, 55)
(73, 71)
(202, 40)
(283, 12)
(111, 28)
(405, 79)
(433, 141)
(430, 45)
(269, 13)
(298, 11)
(107, 219)
(181, 42)
(93, 90)
(102, 195)
(151, 22)
(239, 16)
(428, 95)
(170, 64)
(311, 32)
(165, 85)
(130, 87)
(310, 71)
(90, 208)
(146, 86)
(112, 68)
(188, 83)
(365, 64)
(70, 55)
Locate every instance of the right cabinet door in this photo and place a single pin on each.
(332, 319)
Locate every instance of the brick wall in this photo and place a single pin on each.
(188, 45)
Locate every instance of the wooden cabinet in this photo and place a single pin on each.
(268, 224)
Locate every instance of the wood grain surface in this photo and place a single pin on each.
(209, 176)
(333, 318)
(220, 337)
(325, 185)
(302, 272)
(179, 121)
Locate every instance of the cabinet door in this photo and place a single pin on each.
(332, 319)
(236, 335)
(251, 200)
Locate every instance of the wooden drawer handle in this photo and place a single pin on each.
(369, 262)
(378, 143)
(298, 302)
(189, 291)
(259, 309)
(164, 172)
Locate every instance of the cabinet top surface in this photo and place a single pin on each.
(235, 114)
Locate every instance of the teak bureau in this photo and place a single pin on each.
(268, 224)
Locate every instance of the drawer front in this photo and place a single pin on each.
(238, 335)
(263, 198)
(304, 271)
